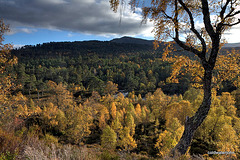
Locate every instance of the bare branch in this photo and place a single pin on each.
(229, 15)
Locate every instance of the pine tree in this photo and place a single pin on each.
(129, 122)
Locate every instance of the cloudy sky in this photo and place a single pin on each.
(39, 21)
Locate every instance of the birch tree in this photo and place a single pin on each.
(177, 20)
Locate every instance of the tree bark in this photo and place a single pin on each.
(194, 122)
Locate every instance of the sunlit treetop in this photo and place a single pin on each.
(5, 57)
(226, 69)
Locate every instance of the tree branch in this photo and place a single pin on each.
(233, 24)
(182, 44)
(193, 29)
(175, 20)
(207, 20)
(234, 14)
(224, 9)
(186, 47)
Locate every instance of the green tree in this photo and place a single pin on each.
(21, 74)
(177, 19)
(108, 138)
(116, 125)
(41, 87)
(129, 122)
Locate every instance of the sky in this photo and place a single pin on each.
(39, 21)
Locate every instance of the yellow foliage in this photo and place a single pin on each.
(111, 88)
(127, 141)
(169, 138)
(138, 110)
(78, 121)
(116, 125)
(113, 110)
(179, 110)
(104, 116)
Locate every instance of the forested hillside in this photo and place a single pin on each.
(86, 66)
(107, 100)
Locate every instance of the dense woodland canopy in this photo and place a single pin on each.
(67, 103)
(87, 66)
(178, 20)
(123, 100)
(90, 65)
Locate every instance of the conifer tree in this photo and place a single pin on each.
(138, 112)
(113, 110)
(129, 122)
(108, 138)
(127, 142)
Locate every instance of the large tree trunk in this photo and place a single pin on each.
(192, 123)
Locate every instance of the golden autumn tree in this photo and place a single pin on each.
(113, 110)
(60, 95)
(220, 130)
(127, 141)
(177, 19)
(110, 88)
(168, 138)
(116, 125)
(79, 121)
(138, 112)
(6, 79)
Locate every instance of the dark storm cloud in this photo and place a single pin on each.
(85, 16)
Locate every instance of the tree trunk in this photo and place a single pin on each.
(192, 123)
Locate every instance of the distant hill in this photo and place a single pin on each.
(232, 45)
(124, 45)
(102, 48)
(132, 40)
